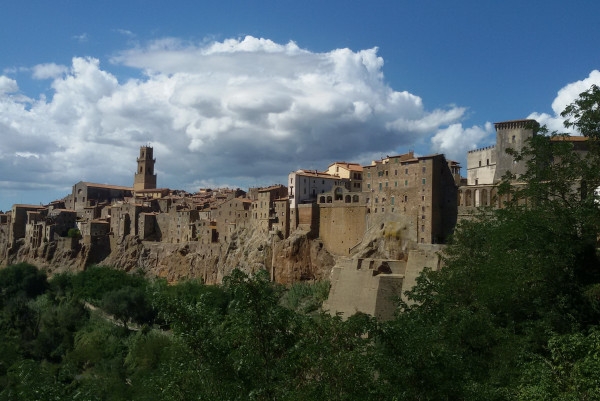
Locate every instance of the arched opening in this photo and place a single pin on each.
(322, 199)
(338, 194)
(355, 199)
(329, 199)
(484, 198)
(468, 197)
(347, 199)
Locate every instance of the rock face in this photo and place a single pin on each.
(288, 260)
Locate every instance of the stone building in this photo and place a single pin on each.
(304, 187)
(420, 191)
(90, 195)
(18, 221)
(264, 214)
(231, 214)
(349, 171)
(487, 166)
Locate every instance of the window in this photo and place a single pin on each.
(405, 183)
(487, 161)
(405, 171)
(393, 200)
(380, 186)
(424, 169)
(479, 163)
(386, 184)
(396, 183)
(423, 181)
(368, 186)
(395, 172)
(423, 228)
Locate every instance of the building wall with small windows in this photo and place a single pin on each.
(481, 166)
(420, 190)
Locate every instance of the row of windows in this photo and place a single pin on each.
(381, 185)
(385, 173)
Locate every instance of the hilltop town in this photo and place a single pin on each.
(392, 216)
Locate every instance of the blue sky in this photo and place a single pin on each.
(241, 93)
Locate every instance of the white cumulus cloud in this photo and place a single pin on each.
(237, 112)
(455, 140)
(565, 96)
(49, 70)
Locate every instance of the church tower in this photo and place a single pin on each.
(145, 177)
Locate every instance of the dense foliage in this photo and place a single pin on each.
(513, 315)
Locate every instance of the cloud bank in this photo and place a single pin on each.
(237, 112)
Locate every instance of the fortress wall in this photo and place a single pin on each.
(358, 286)
(308, 217)
(481, 166)
(341, 227)
(418, 259)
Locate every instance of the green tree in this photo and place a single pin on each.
(584, 113)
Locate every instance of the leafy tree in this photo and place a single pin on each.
(584, 113)
(21, 279)
(94, 282)
(128, 304)
(569, 372)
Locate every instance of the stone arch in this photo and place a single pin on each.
(355, 199)
(329, 199)
(468, 197)
(484, 198)
(347, 199)
(322, 199)
(494, 197)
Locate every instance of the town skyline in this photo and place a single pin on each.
(239, 96)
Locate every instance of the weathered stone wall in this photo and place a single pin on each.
(341, 227)
(365, 285)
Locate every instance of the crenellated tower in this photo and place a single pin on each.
(145, 178)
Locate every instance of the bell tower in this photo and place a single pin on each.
(144, 176)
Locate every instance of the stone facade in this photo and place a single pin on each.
(487, 166)
(421, 190)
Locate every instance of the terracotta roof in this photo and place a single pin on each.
(315, 173)
(22, 205)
